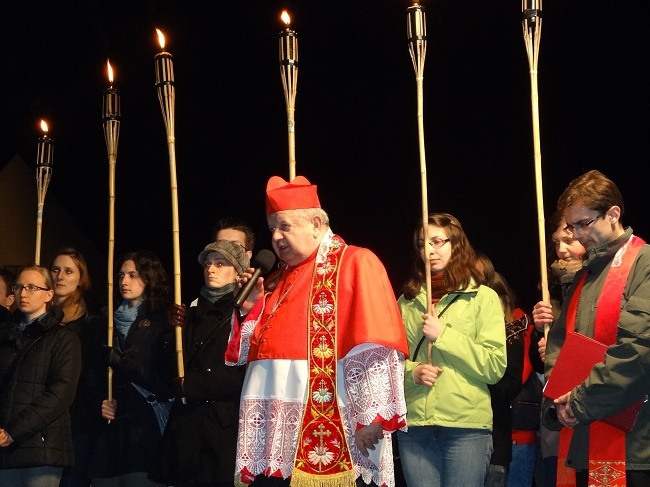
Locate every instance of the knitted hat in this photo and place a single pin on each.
(231, 251)
(298, 194)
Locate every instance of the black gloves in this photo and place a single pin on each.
(113, 357)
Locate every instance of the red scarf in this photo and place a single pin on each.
(606, 443)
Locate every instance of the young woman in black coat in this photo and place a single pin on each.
(39, 369)
(199, 444)
(144, 368)
(71, 291)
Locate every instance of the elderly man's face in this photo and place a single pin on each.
(293, 238)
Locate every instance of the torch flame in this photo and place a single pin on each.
(44, 126)
(161, 39)
(285, 18)
(110, 72)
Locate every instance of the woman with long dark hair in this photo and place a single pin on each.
(143, 365)
(456, 347)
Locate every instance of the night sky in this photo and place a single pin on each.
(356, 127)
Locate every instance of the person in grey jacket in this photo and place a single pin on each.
(39, 368)
(616, 316)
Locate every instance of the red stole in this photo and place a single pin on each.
(322, 455)
(606, 443)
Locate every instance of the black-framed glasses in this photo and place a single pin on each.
(434, 243)
(30, 288)
(578, 227)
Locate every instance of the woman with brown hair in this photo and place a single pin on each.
(39, 368)
(449, 426)
(71, 289)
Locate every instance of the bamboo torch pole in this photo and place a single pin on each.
(44, 165)
(289, 72)
(532, 29)
(111, 116)
(417, 38)
(167, 97)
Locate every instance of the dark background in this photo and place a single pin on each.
(356, 127)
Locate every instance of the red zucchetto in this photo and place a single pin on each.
(298, 194)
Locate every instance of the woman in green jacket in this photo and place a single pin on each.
(456, 348)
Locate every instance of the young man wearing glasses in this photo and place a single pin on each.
(610, 302)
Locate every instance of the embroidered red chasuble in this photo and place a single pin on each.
(319, 313)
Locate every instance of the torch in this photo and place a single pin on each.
(289, 72)
(44, 165)
(111, 117)
(417, 38)
(167, 97)
(532, 27)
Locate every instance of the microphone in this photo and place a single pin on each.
(262, 263)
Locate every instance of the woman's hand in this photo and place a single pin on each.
(431, 326)
(5, 439)
(542, 315)
(426, 375)
(108, 409)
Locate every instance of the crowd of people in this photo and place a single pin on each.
(317, 374)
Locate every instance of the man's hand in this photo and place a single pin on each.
(256, 293)
(367, 437)
(176, 314)
(542, 315)
(426, 375)
(564, 412)
(108, 409)
(542, 349)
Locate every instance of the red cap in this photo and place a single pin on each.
(298, 194)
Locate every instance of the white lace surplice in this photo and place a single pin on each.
(274, 398)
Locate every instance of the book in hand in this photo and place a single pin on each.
(577, 357)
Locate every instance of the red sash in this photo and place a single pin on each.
(323, 456)
(606, 443)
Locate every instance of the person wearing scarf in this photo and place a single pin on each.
(325, 351)
(457, 347)
(142, 359)
(609, 301)
(567, 255)
(199, 444)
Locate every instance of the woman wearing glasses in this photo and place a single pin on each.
(39, 368)
(457, 346)
(71, 290)
(142, 358)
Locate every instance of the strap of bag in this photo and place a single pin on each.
(417, 349)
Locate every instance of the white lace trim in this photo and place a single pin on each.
(273, 400)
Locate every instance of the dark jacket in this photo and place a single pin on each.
(90, 390)
(623, 377)
(128, 443)
(200, 441)
(39, 370)
(503, 392)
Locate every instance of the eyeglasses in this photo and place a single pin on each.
(578, 227)
(30, 288)
(436, 243)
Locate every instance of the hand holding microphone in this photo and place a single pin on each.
(262, 263)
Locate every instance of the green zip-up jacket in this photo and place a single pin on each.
(471, 350)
